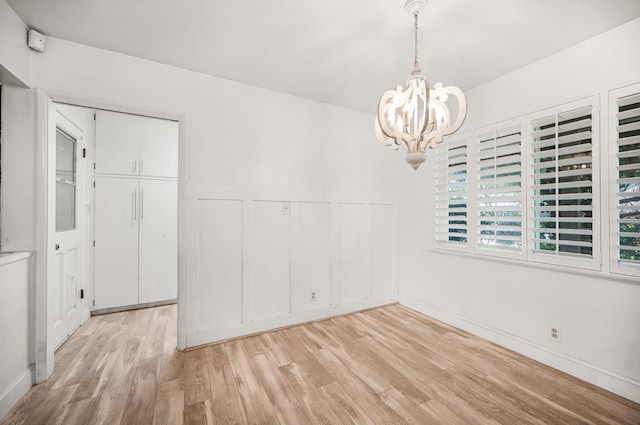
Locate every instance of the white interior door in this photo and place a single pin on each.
(117, 213)
(65, 254)
(158, 269)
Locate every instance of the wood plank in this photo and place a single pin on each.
(257, 407)
(411, 413)
(347, 408)
(591, 412)
(156, 334)
(309, 395)
(282, 397)
(227, 406)
(358, 391)
(276, 348)
(117, 384)
(172, 366)
(169, 408)
(254, 345)
(97, 376)
(199, 413)
(443, 414)
(78, 412)
(312, 344)
(54, 406)
(373, 360)
(140, 406)
(293, 345)
(196, 377)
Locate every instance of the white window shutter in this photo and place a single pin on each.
(499, 189)
(452, 192)
(625, 137)
(564, 212)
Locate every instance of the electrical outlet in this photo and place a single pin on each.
(314, 296)
(555, 334)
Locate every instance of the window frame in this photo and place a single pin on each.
(440, 196)
(501, 252)
(588, 263)
(615, 266)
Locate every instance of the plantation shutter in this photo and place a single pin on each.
(499, 188)
(627, 214)
(451, 192)
(562, 183)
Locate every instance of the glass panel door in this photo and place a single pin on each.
(65, 182)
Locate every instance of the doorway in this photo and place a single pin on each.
(65, 276)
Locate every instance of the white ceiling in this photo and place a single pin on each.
(343, 52)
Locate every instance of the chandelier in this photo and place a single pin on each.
(417, 117)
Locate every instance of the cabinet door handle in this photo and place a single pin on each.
(134, 166)
(141, 201)
(141, 164)
(135, 204)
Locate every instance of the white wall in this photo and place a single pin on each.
(511, 303)
(15, 56)
(246, 154)
(18, 144)
(16, 351)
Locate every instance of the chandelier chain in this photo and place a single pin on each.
(416, 65)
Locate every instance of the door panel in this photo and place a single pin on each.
(116, 233)
(158, 240)
(159, 148)
(66, 181)
(55, 296)
(117, 143)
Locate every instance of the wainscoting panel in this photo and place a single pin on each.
(219, 263)
(253, 263)
(271, 260)
(383, 249)
(353, 274)
(314, 255)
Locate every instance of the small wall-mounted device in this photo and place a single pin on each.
(36, 41)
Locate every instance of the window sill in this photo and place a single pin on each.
(537, 265)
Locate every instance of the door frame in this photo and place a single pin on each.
(44, 352)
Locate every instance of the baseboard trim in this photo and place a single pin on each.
(212, 336)
(109, 310)
(610, 381)
(16, 390)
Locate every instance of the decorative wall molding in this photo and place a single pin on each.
(254, 264)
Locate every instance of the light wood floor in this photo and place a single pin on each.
(384, 366)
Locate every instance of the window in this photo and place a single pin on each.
(451, 193)
(563, 194)
(499, 189)
(65, 182)
(625, 146)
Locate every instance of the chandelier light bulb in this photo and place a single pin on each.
(417, 116)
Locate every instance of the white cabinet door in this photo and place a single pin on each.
(117, 143)
(116, 234)
(158, 240)
(159, 148)
(133, 145)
